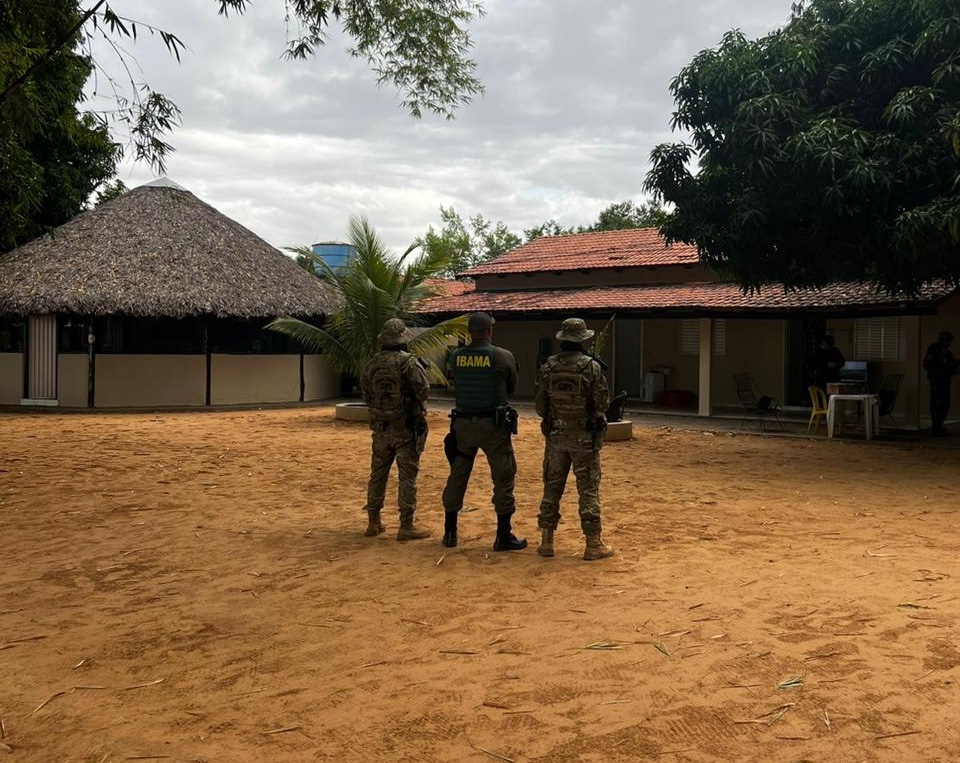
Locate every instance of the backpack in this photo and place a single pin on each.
(387, 388)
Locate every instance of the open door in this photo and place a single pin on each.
(42, 359)
(801, 337)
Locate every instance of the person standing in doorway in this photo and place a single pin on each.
(829, 361)
(483, 376)
(571, 398)
(395, 390)
(940, 366)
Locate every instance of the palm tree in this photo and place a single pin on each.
(373, 287)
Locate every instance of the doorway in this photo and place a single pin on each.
(800, 347)
(42, 359)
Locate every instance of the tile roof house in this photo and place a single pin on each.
(668, 312)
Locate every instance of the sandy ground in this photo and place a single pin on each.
(196, 587)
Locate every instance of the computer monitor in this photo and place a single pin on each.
(854, 371)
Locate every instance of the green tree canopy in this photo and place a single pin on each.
(625, 215)
(51, 156)
(462, 247)
(372, 287)
(825, 150)
(421, 47)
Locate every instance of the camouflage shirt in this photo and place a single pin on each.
(571, 393)
(394, 387)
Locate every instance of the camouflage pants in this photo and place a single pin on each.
(474, 435)
(558, 458)
(388, 446)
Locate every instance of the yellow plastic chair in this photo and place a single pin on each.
(819, 412)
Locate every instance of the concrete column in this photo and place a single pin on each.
(911, 388)
(705, 402)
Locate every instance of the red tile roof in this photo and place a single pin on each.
(642, 247)
(447, 287)
(701, 297)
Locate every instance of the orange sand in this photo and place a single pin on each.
(196, 587)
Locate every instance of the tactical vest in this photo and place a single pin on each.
(568, 381)
(476, 384)
(388, 386)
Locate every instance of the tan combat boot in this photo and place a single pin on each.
(595, 548)
(409, 531)
(374, 525)
(546, 542)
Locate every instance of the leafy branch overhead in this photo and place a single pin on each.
(421, 47)
(53, 155)
(824, 151)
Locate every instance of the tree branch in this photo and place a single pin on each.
(49, 53)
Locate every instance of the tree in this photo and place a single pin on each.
(373, 287)
(420, 47)
(466, 248)
(51, 157)
(111, 191)
(549, 228)
(625, 215)
(825, 150)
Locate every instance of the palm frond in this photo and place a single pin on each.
(373, 287)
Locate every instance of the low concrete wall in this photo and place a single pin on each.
(72, 380)
(319, 382)
(11, 378)
(238, 379)
(127, 381)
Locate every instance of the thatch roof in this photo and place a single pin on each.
(157, 251)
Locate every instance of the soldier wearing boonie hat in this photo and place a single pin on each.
(572, 397)
(483, 376)
(395, 389)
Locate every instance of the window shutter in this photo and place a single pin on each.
(720, 336)
(879, 338)
(690, 336)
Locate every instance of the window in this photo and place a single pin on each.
(238, 336)
(183, 336)
(879, 338)
(72, 334)
(12, 333)
(690, 336)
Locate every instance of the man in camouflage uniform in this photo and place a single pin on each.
(483, 376)
(572, 397)
(395, 390)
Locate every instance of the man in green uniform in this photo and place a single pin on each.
(395, 390)
(572, 397)
(483, 376)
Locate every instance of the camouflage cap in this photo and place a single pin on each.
(574, 330)
(394, 331)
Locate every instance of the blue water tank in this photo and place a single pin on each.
(335, 253)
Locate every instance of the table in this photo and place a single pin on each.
(871, 410)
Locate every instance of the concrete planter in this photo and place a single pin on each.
(618, 430)
(352, 412)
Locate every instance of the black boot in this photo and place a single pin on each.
(450, 529)
(506, 540)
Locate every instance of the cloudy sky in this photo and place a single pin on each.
(576, 97)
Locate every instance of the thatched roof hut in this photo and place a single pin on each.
(157, 251)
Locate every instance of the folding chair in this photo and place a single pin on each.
(761, 407)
